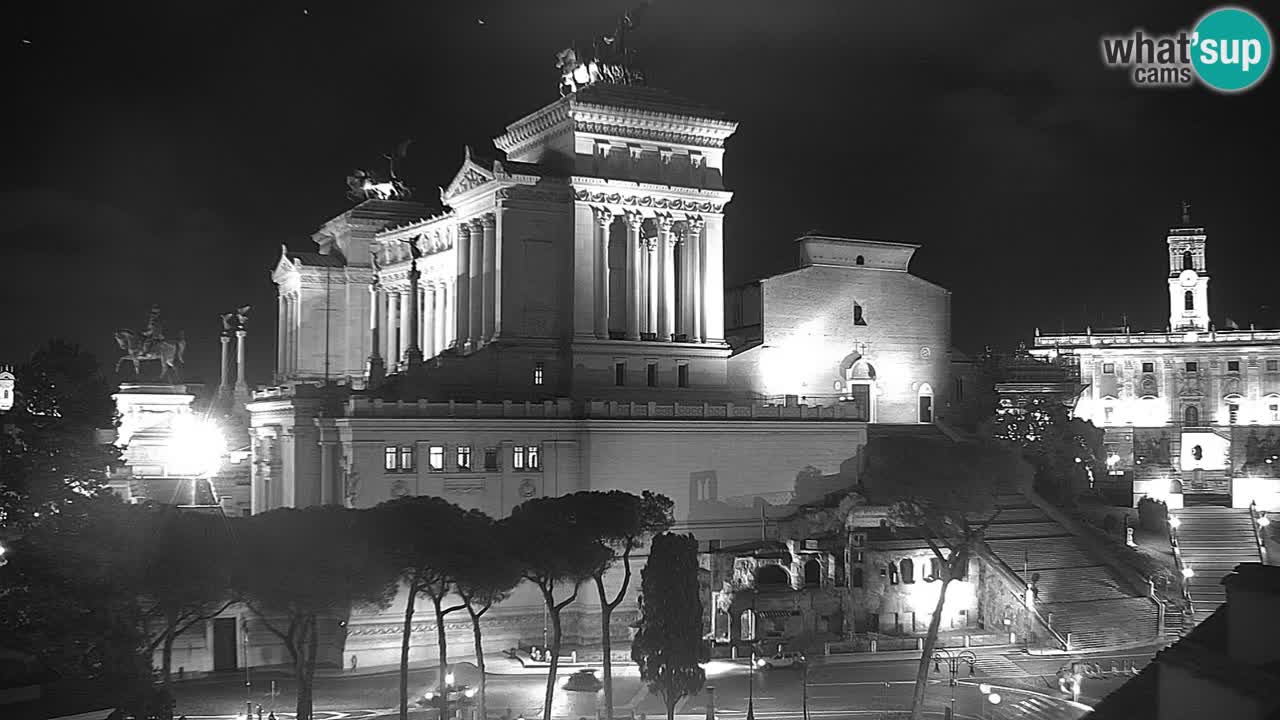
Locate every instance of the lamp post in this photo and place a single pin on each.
(953, 661)
(751, 664)
(452, 695)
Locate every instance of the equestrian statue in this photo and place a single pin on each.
(151, 344)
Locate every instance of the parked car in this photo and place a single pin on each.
(781, 660)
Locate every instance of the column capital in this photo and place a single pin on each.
(604, 216)
(464, 228)
(665, 223)
(634, 220)
(241, 333)
(484, 221)
(650, 243)
(694, 223)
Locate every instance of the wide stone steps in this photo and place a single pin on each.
(1014, 515)
(1026, 530)
(1074, 584)
(1212, 542)
(1105, 623)
(1041, 553)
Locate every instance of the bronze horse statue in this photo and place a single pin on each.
(168, 352)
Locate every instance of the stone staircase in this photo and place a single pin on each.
(1212, 541)
(1077, 592)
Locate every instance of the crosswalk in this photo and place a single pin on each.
(998, 666)
(1033, 708)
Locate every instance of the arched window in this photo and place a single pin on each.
(772, 576)
(935, 570)
(857, 315)
(1191, 416)
(1189, 300)
(1188, 261)
(857, 577)
(925, 403)
(860, 260)
(908, 569)
(812, 573)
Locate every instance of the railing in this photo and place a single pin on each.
(1256, 520)
(560, 409)
(1182, 572)
(1170, 338)
(1012, 575)
(728, 411)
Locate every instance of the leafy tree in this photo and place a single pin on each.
(50, 452)
(947, 492)
(487, 578)
(1065, 451)
(553, 549)
(621, 522)
(297, 567)
(422, 538)
(668, 646)
(185, 574)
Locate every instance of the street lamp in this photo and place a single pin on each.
(196, 448)
(953, 661)
(451, 696)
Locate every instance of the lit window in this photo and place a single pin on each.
(1108, 368)
(1233, 366)
(620, 374)
(1273, 365)
(1274, 411)
(525, 457)
(1106, 414)
(533, 457)
(406, 458)
(538, 368)
(651, 374)
(435, 458)
(517, 457)
(464, 457)
(389, 458)
(1193, 366)
(1233, 413)
(491, 458)
(682, 376)
(1188, 300)
(1148, 367)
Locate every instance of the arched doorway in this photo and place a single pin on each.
(924, 400)
(859, 384)
(1191, 416)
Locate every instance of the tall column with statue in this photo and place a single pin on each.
(634, 221)
(667, 279)
(413, 353)
(375, 370)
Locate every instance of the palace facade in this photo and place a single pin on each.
(1190, 414)
(561, 325)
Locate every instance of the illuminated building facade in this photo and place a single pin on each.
(561, 326)
(1191, 414)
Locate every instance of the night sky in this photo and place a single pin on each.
(161, 153)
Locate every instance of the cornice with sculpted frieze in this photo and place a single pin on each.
(629, 201)
(532, 126)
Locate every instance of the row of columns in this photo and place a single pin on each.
(651, 277)
(290, 322)
(395, 314)
(479, 286)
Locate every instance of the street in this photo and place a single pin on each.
(839, 686)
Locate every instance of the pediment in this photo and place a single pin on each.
(471, 175)
(284, 266)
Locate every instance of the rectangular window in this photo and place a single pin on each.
(491, 458)
(1193, 366)
(1233, 413)
(1233, 366)
(959, 394)
(517, 457)
(1148, 367)
(464, 457)
(406, 458)
(620, 374)
(525, 457)
(651, 374)
(1273, 365)
(682, 376)
(538, 369)
(1106, 414)
(389, 455)
(435, 458)
(1274, 412)
(1108, 368)
(533, 457)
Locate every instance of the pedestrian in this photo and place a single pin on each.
(271, 715)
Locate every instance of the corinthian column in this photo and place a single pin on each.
(393, 334)
(693, 240)
(475, 303)
(634, 220)
(713, 279)
(441, 334)
(375, 370)
(427, 318)
(462, 313)
(224, 387)
(604, 220)
(282, 332)
(242, 385)
(667, 279)
(651, 276)
(489, 310)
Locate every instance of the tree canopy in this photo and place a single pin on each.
(1065, 451)
(668, 646)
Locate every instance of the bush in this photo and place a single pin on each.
(1153, 515)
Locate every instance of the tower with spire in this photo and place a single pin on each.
(1188, 276)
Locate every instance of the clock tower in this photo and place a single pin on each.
(1188, 277)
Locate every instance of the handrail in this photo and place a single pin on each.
(1012, 574)
(1177, 557)
(1254, 518)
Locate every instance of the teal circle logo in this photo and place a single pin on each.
(1231, 49)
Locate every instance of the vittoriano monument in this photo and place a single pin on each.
(610, 59)
(151, 344)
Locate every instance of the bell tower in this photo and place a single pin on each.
(1188, 276)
